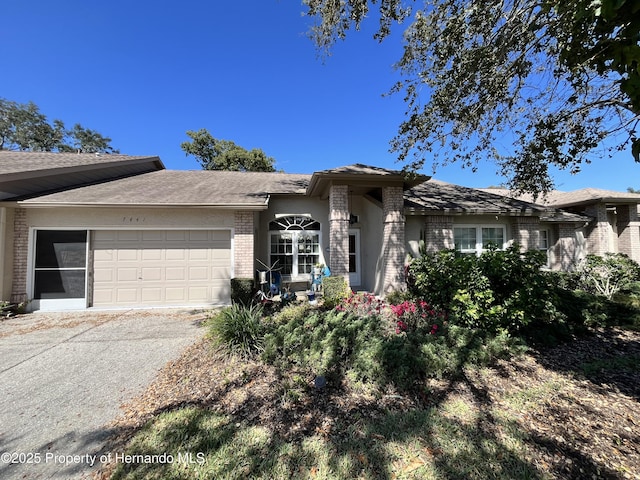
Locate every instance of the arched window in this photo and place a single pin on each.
(295, 244)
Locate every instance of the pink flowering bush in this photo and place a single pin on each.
(407, 317)
(418, 316)
(362, 304)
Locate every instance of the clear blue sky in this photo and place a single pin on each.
(144, 72)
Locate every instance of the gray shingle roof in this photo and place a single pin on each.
(561, 199)
(450, 198)
(21, 162)
(183, 188)
(25, 174)
(441, 197)
(360, 169)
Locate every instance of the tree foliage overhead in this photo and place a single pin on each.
(528, 83)
(23, 127)
(216, 154)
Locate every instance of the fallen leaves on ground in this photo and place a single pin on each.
(575, 425)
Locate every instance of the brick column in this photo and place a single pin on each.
(438, 233)
(339, 231)
(393, 244)
(566, 251)
(526, 232)
(598, 230)
(20, 256)
(629, 231)
(243, 245)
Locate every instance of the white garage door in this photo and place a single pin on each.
(161, 267)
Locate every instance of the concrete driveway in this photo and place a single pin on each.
(64, 376)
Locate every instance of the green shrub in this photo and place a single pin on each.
(397, 297)
(362, 343)
(242, 290)
(334, 290)
(327, 343)
(501, 289)
(607, 275)
(238, 329)
(437, 277)
(292, 311)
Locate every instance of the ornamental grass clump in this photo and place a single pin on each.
(239, 330)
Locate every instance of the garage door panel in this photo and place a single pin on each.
(221, 235)
(151, 295)
(127, 274)
(152, 254)
(177, 294)
(175, 254)
(103, 255)
(127, 235)
(176, 235)
(126, 295)
(198, 294)
(199, 236)
(161, 267)
(175, 273)
(103, 296)
(199, 254)
(124, 255)
(153, 235)
(199, 273)
(152, 273)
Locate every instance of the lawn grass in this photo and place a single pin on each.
(516, 419)
(451, 441)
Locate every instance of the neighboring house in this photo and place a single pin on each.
(613, 225)
(112, 231)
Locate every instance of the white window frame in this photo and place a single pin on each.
(544, 248)
(296, 229)
(479, 243)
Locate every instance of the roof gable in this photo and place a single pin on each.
(361, 178)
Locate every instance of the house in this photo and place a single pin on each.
(116, 231)
(614, 224)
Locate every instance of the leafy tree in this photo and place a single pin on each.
(633, 190)
(24, 127)
(529, 83)
(216, 154)
(88, 141)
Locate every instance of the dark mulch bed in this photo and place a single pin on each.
(586, 425)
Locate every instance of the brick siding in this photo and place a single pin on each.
(629, 231)
(526, 232)
(243, 244)
(393, 238)
(20, 256)
(339, 230)
(438, 233)
(598, 230)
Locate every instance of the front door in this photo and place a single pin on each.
(354, 258)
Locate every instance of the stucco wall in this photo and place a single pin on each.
(370, 245)
(130, 218)
(369, 225)
(318, 209)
